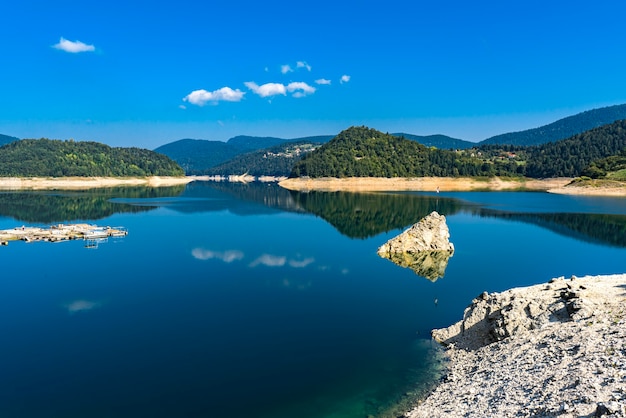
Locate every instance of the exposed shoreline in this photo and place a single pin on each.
(554, 349)
(83, 183)
(443, 184)
(353, 184)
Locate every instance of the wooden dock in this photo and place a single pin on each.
(60, 232)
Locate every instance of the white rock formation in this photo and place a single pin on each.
(424, 248)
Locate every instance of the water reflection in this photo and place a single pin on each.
(595, 228)
(428, 264)
(66, 206)
(363, 215)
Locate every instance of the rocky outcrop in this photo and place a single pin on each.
(494, 317)
(424, 248)
(555, 349)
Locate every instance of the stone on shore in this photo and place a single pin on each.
(424, 248)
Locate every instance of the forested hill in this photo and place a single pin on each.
(364, 152)
(569, 157)
(562, 128)
(5, 139)
(55, 158)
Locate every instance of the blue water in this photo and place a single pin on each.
(233, 301)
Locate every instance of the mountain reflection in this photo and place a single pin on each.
(589, 227)
(364, 215)
(65, 206)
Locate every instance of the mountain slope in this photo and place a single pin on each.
(569, 157)
(562, 128)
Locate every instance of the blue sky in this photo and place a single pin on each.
(147, 73)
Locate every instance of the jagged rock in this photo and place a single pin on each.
(424, 248)
(494, 317)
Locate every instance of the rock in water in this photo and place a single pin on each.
(429, 236)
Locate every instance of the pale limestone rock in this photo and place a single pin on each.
(424, 248)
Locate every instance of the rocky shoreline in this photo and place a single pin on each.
(555, 349)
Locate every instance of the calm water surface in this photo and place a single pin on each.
(248, 300)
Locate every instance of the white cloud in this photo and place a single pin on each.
(297, 88)
(202, 97)
(269, 261)
(226, 256)
(300, 89)
(266, 90)
(182, 107)
(303, 64)
(73, 47)
(286, 69)
(322, 81)
(344, 79)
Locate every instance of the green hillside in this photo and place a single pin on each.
(569, 157)
(364, 152)
(55, 158)
(562, 128)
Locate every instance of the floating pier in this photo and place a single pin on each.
(60, 232)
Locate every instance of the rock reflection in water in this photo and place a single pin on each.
(428, 264)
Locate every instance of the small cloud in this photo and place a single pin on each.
(286, 69)
(269, 261)
(182, 107)
(226, 256)
(301, 263)
(73, 47)
(303, 64)
(225, 94)
(344, 79)
(266, 90)
(81, 306)
(322, 81)
(300, 89)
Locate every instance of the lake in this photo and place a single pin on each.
(234, 300)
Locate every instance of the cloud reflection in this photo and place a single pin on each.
(301, 263)
(81, 305)
(226, 256)
(269, 260)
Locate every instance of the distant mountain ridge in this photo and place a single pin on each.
(6, 139)
(438, 141)
(562, 128)
(198, 156)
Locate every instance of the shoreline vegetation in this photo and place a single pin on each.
(563, 185)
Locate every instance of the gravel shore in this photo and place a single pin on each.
(556, 349)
